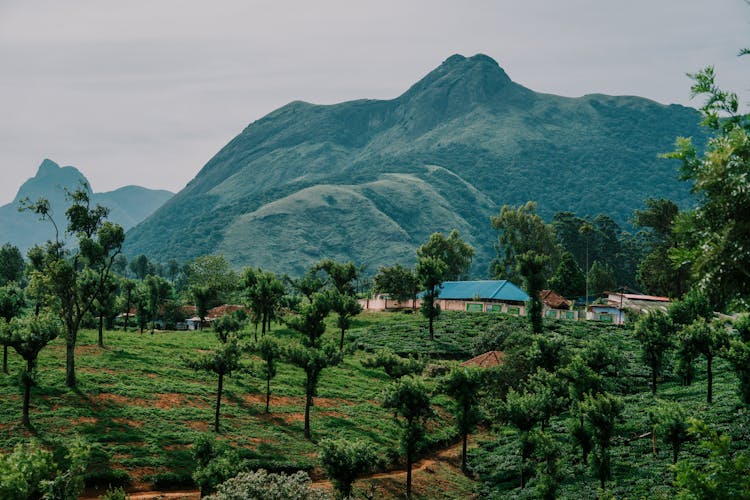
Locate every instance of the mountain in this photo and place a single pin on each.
(370, 180)
(128, 205)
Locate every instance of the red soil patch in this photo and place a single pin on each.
(108, 399)
(127, 421)
(165, 400)
(198, 425)
(174, 447)
(84, 420)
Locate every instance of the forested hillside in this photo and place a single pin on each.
(367, 180)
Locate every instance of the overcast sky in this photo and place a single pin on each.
(147, 91)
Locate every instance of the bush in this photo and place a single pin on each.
(262, 485)
(23, 470)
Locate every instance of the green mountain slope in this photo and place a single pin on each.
(369, 180)
(128, 205)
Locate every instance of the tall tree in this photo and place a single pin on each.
(453, 251)
(397, 281)
(601, 278)
(264, 294)
(602, 411)
(104, 305)
(269, 350)
(158, 291)
(28, 336)
(313, 361)
(532, 267)
(568, 280)
(463, 386)
(127, 290)
(739, 355)
(11, 303)
(409, 398)
(708, 340)
(522, 230)
(341, 281)
(656, 271)
(76, 277)
(430, 272)
(654, 331)
(521, 410)
(720, 226)
(222, 361)
(141, 267)
(671, 424)
(215, 273)
(12, 264)
(343, 460)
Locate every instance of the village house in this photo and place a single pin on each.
(555, 306)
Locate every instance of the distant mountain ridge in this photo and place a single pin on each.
(369, 180)
(128, 205)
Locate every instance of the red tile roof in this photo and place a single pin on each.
(489, 359)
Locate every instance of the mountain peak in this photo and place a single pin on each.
(463, 81)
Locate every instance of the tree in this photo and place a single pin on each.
(313, 361)
(270, 352)
(430, 272)
(204, 297)
(522, 230)
(654, 331)
(709, 341)
(671, 423)
(127, 289)
(343, 460)
(549, 451)
(225, 326)
(215, 273)
(521, 410)
(739, 356)
(341, 278)
(308, 285)
(568, 280)
(12, 264)
(397, 281)
(222, 361)
(463, 386)
(409, 398)
(453, 251)
(601, 278)
(602, 411)
(104, 305)
(264, 293)
(532, 267)
(719, 227)
(722, 475)
(11, 303)
(76, 278)
(141, 267)
(656, 271)
(28, 336)
(158, 291)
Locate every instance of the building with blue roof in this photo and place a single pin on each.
(483, 296)
(480, 296)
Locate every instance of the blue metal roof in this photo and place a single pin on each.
(482, 290)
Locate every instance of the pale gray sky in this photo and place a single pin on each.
(146, 91)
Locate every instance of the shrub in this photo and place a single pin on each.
(262, 485)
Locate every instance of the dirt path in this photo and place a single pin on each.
(446, 456)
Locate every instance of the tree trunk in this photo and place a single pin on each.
(710, 373)
(653, 381)
(308, 404)
(341, 343)
(25, 421)
(431, 331)
(101, 329)
(5, 359)
(409, 460)
(263, 327)
(268, 393)
(675, 452)
(218, 402)
(463, 452)
(70, 362)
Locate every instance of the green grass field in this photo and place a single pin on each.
(142, 409)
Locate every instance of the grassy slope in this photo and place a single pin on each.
(145, 409)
